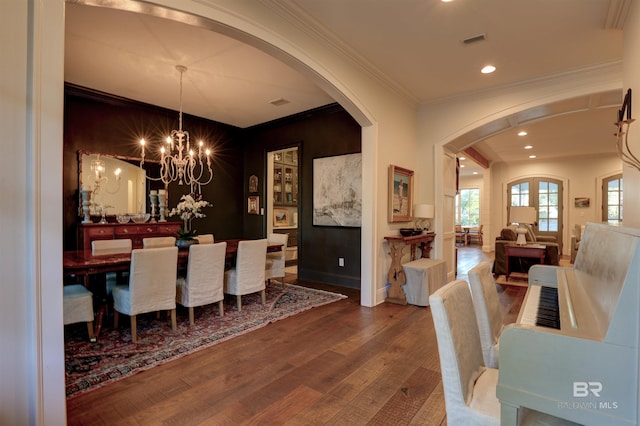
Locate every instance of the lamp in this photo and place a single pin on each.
(178, 160)
(522, 215)
(422, 213)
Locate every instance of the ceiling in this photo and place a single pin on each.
(414, 46)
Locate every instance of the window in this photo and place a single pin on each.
(468, 207)
(548, 206)
(612, 199)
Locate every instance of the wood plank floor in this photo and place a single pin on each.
(339, 364)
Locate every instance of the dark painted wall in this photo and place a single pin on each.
(318, 133)
(103, 123)
(108, 124)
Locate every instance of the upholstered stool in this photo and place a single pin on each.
(78, 307)
(424, 277)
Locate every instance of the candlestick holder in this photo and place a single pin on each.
(162, 200)
(154, 204)
(86, 201)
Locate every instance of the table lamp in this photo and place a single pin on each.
(522, 215)
(421, 214)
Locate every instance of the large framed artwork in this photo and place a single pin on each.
(400, 194)
(337, 190)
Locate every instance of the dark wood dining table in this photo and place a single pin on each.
(83, 264)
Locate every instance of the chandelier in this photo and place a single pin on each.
(179, 160)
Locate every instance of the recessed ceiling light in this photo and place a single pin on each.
(532, 156)
(462, 158)
(279, 102)
(528, 147)
(488, 69)
(522, 133)
(446, 1)
(475, 173)
(461, 165)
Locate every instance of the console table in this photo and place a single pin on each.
(133, 231)
(535, 251)
(396, 276)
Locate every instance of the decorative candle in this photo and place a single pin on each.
(153, 192)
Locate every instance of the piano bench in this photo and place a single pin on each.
(424, 276)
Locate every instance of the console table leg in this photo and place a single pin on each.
(396, 276)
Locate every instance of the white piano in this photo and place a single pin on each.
(578, 360)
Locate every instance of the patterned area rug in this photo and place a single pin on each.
(92, 365)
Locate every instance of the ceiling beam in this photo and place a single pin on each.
(476, 157)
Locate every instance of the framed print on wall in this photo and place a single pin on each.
(337, 190)
(253, 204)
(400, 194)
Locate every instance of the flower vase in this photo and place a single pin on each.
(185, 244)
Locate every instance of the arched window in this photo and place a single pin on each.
(612, 199)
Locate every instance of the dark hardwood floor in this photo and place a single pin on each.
(339, 364)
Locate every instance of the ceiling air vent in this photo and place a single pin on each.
(279, 102)
(474, 39)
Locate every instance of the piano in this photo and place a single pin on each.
(578, 360)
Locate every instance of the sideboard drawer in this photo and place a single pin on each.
(99, 233)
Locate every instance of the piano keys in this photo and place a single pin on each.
(586, 369)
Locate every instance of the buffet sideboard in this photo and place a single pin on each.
(133, 231)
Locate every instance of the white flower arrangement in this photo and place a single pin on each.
(189, 208)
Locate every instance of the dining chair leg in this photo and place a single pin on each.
(92, 337)
(191, 315)
(221, 308)
(134, 335)
(239, 303)
(174, 324)
(263, 293)
(116, 316)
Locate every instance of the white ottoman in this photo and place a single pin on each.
(424, 276)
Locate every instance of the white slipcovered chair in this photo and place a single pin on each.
(248, 276)
(110, 247)
(152, 286)
(155, 242)
(77, 306)
(487, 308)
(469, 386)
(205, 239)
(276, 260)
(204, 282)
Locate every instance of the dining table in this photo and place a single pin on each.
(83, 264)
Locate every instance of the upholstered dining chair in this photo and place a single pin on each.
(248, 275)
(469, 385)
(204, 282)
(205, 239)
(487, 308)
(152, 286)
(110, 247)
(77, 306)
(276, 260)
(155, 242)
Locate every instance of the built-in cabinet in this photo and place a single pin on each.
(285, 178)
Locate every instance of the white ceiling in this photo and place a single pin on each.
(413, 45)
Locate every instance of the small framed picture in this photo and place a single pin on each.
(253, 204)
(280, 217)
(582, 202)
(400, 194)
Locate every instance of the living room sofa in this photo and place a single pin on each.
(508, 236)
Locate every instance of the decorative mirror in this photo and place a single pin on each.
(117, 184)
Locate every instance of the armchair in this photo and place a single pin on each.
(508, 236)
